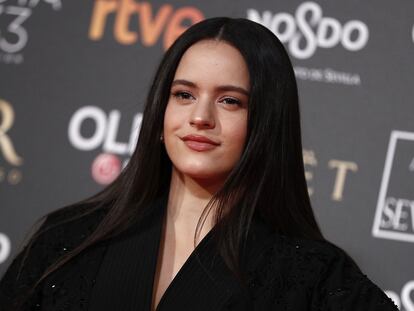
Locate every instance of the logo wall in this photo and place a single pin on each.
(13, 34)
(394, 217)
(108, 164)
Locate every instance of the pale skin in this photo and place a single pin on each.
(208, 97)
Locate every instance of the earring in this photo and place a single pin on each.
(162, 138)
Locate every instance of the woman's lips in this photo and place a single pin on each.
(199, 142)
(199, 146)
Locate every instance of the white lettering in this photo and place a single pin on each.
(105, 133)
(88, 112)
(396, 211)
(56, 4)
(361, 38)
(110, 144)
(329, 24)
(4, 247)
(394, 297)
(309, 29)
(406, 296)
(411, 167)
(405, 301)
(133, 138)
(412, 34)
(282, 19)
(15, 29)
(305, 30)
(333, 76)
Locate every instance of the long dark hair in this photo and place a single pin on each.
(268, 181)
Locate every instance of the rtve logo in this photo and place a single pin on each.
(310, 27)
(150, 24)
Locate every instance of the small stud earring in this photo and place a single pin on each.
(162, 138)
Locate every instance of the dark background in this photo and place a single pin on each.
(51, 68)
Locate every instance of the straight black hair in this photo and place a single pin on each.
(268, 181)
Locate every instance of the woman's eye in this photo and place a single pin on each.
(231, 101)
(182, 95)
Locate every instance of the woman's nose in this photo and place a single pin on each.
(202, 114)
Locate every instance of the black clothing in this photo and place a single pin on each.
(284, 273)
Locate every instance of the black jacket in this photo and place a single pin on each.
(284, 273)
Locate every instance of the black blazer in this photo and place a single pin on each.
(284, 273)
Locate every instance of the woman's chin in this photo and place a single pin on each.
(202, 174)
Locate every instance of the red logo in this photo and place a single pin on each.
(106, 168)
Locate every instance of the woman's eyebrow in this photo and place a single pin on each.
(220, 87)
(233, 88)
(184, 82)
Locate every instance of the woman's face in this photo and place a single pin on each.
(208, 100)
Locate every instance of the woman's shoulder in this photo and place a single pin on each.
(320, 272)
(65, 228)
(58, 233)
(83, 214)
(78, 212)
(311, 252)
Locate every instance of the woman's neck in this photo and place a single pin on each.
(186, 202)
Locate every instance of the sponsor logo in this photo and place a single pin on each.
(340, 167)
(105, 168)
(104, 135)
(309, 29)
(13, 33)
(4, 247)
(166, 24)
(8, 173)
(327, 75)
(394, 217)
(404, 300)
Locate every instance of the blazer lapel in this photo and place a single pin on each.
(126, 276)
(203, 283)
(206, 283)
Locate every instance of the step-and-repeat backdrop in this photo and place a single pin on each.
(74, 75)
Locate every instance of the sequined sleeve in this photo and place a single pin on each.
(24, 271)
(50, 242)
(343, 286)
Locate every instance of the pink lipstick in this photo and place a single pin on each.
(199, 142)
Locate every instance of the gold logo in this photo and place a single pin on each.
(6, 144)
(342, 169)
(14, 175)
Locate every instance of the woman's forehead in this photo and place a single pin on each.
(213, 61)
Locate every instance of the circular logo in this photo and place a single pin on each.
(106, 168)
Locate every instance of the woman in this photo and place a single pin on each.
(212, 211)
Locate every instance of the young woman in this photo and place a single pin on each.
(212, 211)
